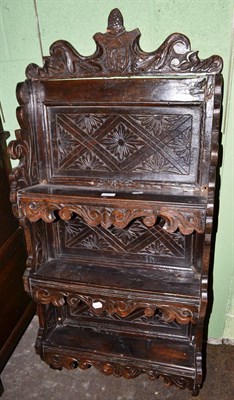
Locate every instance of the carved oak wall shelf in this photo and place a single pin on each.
(115, 193)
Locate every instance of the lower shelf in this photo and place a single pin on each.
(122, 355)
(89, 344)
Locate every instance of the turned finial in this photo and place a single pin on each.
(115, 22)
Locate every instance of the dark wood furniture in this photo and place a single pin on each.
(17, 308)
(115, 191)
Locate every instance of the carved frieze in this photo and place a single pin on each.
(121, 307)
(186, 220)
(118, 53)
(59, 361)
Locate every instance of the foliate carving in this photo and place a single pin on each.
(95, 242)
(124, 308)
(157, 247)
(22, 149)
(121, 307)
(88, 122)
(117, 370)
(187, 221)
(118, 53)
(157, 124)
(60, 361)
(40, 249)
(43, 210)
(179, 381)
(157, 163)
(181, 314)
(129, 234)
(124, 142)
(46, 296)
(133, 239)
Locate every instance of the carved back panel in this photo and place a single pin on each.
(134, 244)
(101, 133)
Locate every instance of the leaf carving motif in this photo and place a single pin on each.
(46, 296)
(118, 52)
(135, 230)
(186, 221)
(25, 174)
(156, 124)
(88, 162)
(111, 306)
(157, 247)
(157, 163)
(59, 361)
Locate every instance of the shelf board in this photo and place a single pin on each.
(183, 212)
(123, 197)
(84, 275)
(86, 343)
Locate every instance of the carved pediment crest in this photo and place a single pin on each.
(118, 53)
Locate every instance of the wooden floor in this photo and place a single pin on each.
(26, 377)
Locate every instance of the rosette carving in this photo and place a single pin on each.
(118, 52)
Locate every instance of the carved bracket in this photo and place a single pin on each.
(22, 149)
(111, 306)
(118, 53)
(60, 361)
(186, 220)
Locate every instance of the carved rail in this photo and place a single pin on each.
(59, 361)
(185, 219)
(111, 306)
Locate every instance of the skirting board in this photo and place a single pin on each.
(216, 341)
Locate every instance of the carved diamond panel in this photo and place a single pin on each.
(136, 238)
(155, 143)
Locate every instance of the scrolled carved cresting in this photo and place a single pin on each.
(118, 53)
(186, 220)
(120, 307)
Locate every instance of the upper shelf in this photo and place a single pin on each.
(179, 210)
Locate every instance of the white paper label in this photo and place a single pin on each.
(97, 304)
(108, 194)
